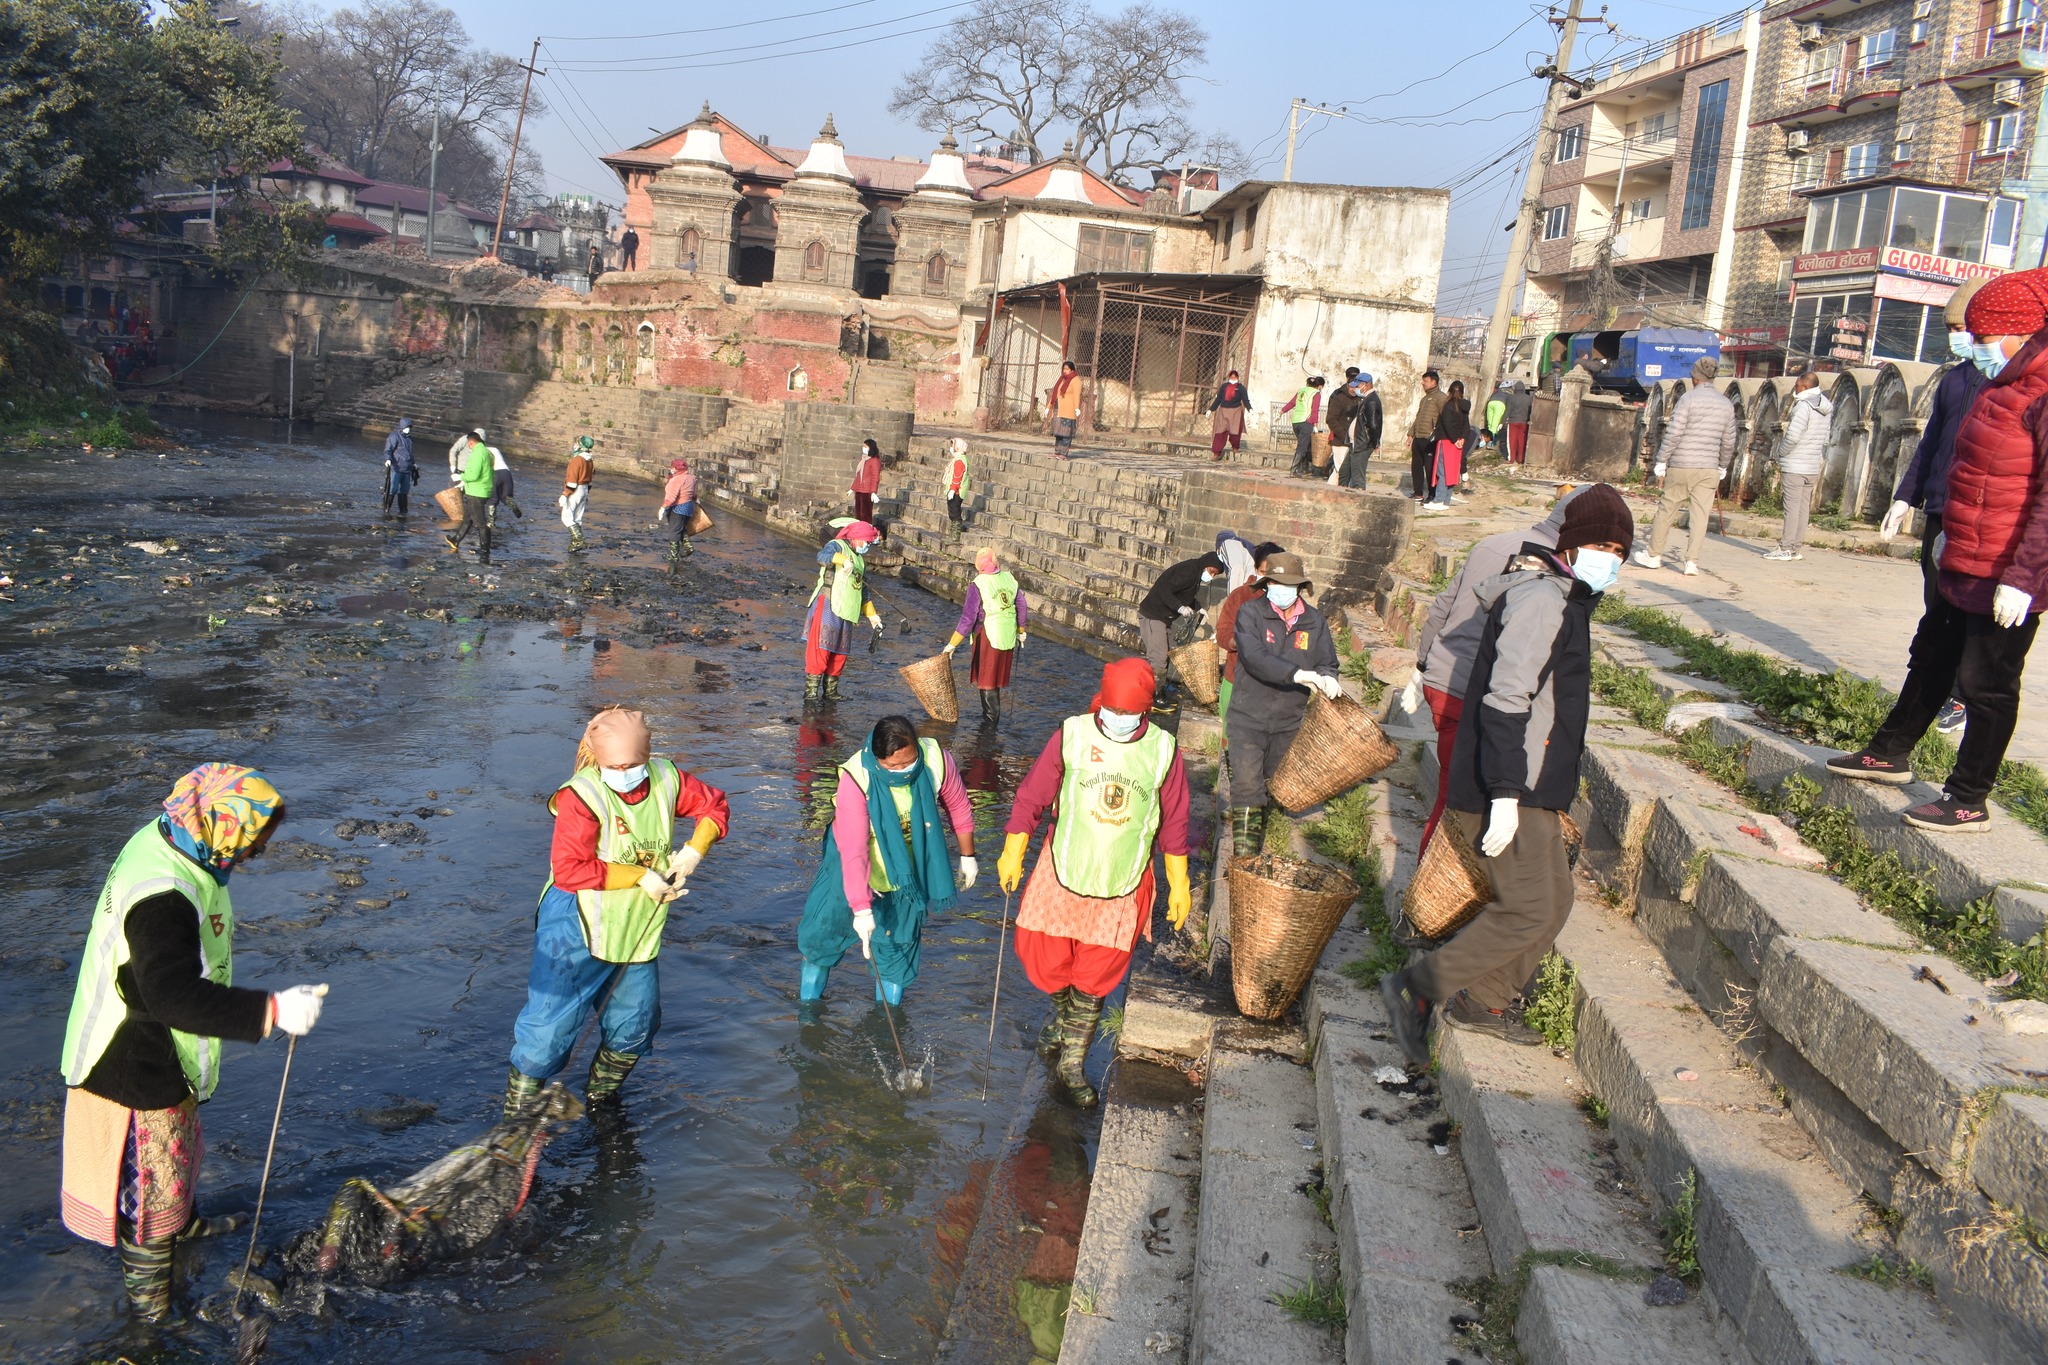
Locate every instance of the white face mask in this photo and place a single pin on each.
(1117, 725)
(623, 780)
(1208, 577)
(1283, 596)
(1597, 569)
(1961, 345)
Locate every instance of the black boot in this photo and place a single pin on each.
(402, 505)
(1078, 1018)
(831, 688)
(991, 705)
(608, 1071)
(387, 506)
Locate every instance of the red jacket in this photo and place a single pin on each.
(1996, 519)
(572, 857)
(867, 475)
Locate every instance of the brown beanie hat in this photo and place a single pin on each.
(1597, 514)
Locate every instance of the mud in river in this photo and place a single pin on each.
(764, 1197)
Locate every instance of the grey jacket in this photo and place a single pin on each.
(1701, 434)
(1519, 402)
(1804, 447)
(1523, 730)
(1450, 633)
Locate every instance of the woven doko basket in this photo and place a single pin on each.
(931, 682)
(1282, 913)
(1452, 883)
(1337, 747)
(1198, 668)
(449, 500)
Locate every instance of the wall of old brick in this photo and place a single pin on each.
(821, 444)
(1346, 538)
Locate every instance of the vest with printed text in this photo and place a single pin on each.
(935, 764)
(998, 607)
(625, 925)
(1108, 807)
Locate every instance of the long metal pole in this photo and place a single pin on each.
(1525, 219)
(433, 171)
(512, 161)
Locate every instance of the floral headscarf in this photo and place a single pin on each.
(216, 812)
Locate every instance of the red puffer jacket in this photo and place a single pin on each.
(1996, 520)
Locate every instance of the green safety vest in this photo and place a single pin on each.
(625, 925)
(1304, 404)
(148, 866)
(1496, 413)
(935, 763)
(1109, 807)
(965, 474)
(848, 585)
(999, 607)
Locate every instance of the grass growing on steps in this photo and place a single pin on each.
(1344, 834)
(1356, 663)
(1499, 1301)
(1680, 1225)
(1553, 1009)
(1317, 1302)
(1633, 692)
(1891, 1271)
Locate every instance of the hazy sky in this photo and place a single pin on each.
(1439, 93)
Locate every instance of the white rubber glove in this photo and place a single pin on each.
(1187, 611)
(298, 1009)
(1502, 818)
(948, 650)
(683, 862)
(876, 622)
(864, 927)
(1329, 684)
(1411, 695)
(1659, 470)
(2009, 606)
(970, 868)
(660, 887)
(1894, 520)
(1022, 636)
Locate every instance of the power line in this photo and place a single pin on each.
(630, 63)
(691, 32)
(1389, 94)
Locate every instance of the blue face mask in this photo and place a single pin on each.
(623, 780)
(1990, 357)
(861, 549)
(1961, 345)
(1117, 725)
(1597, 569)
(1282, 595)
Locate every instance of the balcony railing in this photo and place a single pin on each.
(1838, 84)
(1709, 39)
(1989, 44)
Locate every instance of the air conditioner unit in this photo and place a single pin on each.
(2012, 92)
(1812, 35)
(1797, 140)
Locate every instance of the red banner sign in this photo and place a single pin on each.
(1834, 262)
(1923, 266)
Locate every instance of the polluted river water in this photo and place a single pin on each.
(762, 1194)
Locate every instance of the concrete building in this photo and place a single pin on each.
(1636, 214)
(1891, 146)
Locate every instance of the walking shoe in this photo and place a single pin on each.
(1947, 816)
(453, 544)
(1433, 507)
(1690, 568)
(1784, 554)
(1951, 718)
(1408, 1012)
(1508, 1025)
(1645, 560)
(1866, 766)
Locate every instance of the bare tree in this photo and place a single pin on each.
(1001, 72)
(1129, 111)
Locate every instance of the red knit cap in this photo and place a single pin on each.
(859, 533)
(1127, 688)
(2014, 305)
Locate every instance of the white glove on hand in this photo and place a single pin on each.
(2009, 606)
(876, 622)
(1411, 695)
(660, 887)
(1502, 818)
(1022, 636)
(683, 862)
(1187, 611)
(948, 650)
(1894, 520)
(296, 1010)
(1330, 686)
(1659, 470)
(970, 868)
(864, 926)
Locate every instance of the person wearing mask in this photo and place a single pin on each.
(1337, 416)
(1802, 452)
(479, 478)
(956, 487)
(613, 871)
(678, 505)
(1698, 442)
(1994, 566)
(1305, 410)
(1453, 430)
(1283, 649)
(867, 481)
(1367, 421)
(1925, 482)
(838, 603)
(575, 497)
(1171, 599)
(401, 471)
(1226, 622)
(992, 616)
(1226, 415)
(1520, 404)
(152, 1004)
(885, 866)
(1118, 790)
(1514, 773)
(1063, 403)
(1450, 640)
(1422, 437)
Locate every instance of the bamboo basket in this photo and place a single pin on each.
(931, 682)
(1338, 746)
(1282, 914)
(450, 501)
(700, 521)
(1319, 449)
(1451, 884)
(1197, 664)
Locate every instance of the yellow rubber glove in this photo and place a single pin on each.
(705, 835)
(1180, 898)
(1010, 867)
(619, 876)
(839, 560)
(955, 642)
(870, 612)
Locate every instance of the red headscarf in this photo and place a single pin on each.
(859, 532)
(2014, 305)
(1127, 688)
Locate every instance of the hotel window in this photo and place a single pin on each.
(1571, 142)
(1555, 221)
(1706, 155)
(1860, 162)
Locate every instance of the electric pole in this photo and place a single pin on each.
(498, 233)
(1295, 109)
(1532, 190)
(433, 168)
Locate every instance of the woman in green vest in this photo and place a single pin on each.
(885, 866)
(837, 604)
(993, 617)
(154, 1000)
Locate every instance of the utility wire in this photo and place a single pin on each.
(601, 63)
(693, 32)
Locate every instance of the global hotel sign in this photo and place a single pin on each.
(1896, 260)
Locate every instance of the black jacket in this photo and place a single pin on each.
(1368, 423)
(1241, 399)
(1454, 422)
(1337, 414)
(1269, 653)
(1177, 587)
(1523, 731)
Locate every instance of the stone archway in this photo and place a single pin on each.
(615, 354)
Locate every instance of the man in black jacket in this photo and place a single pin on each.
(1367, 423)
(1514, 772)
(1171, 598)
(1283, 649)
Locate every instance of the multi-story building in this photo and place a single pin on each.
(1890, 150)
(1634, 220)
